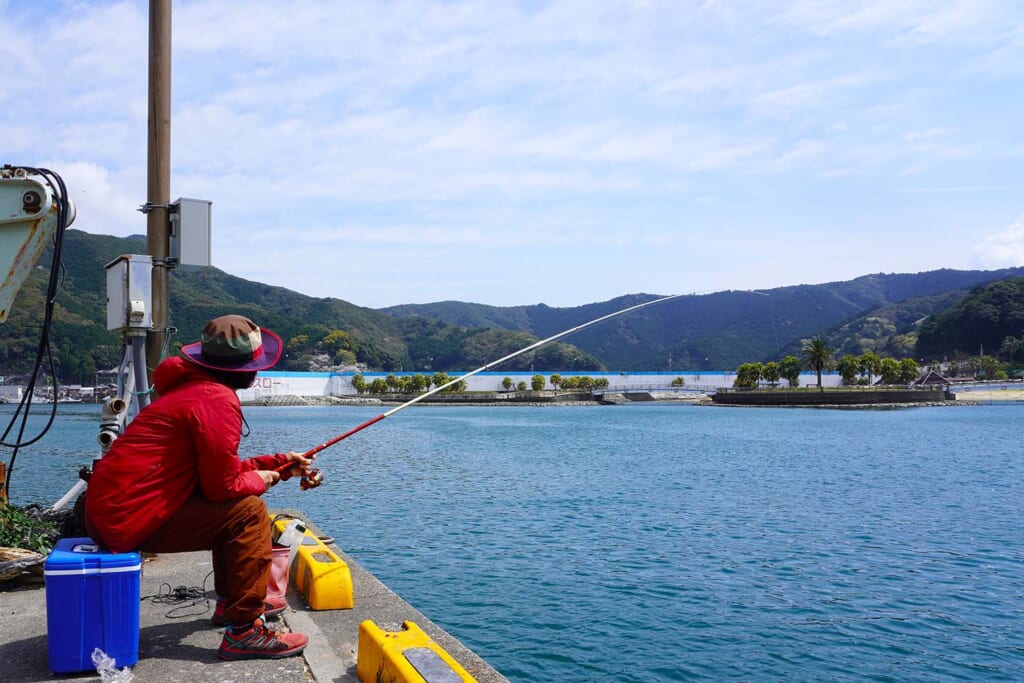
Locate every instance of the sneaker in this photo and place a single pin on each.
(271, 608)
(257, 641)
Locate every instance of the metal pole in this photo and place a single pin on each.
(158, 185)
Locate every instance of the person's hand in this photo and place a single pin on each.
(302, 464)
(270, 477)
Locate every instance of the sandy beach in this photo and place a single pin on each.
(1015, 394)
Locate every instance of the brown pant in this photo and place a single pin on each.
(238, 533)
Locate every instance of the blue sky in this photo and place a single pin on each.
(561, 152)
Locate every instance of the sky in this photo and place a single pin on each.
(564, 152)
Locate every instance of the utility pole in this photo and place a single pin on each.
(158, 176)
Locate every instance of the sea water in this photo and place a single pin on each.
(667, 542)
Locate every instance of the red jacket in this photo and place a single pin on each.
(183, 444)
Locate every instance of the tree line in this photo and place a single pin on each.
(415, 383)
(861, 370)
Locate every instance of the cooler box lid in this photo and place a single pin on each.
(84, 556)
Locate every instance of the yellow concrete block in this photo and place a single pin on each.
(407, 656)
(320, 574)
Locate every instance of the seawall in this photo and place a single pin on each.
(783, 397)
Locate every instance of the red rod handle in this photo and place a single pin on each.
(311, 453)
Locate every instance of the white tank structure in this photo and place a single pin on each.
(271, 384)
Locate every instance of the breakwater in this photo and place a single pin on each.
(856, 397)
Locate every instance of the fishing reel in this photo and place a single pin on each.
(311, 479)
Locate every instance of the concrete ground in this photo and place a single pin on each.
(177, 643)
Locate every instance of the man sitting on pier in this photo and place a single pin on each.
(174, 482)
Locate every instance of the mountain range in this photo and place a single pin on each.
(881, 312)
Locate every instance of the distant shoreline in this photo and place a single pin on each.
(292, 400)
(963, 398)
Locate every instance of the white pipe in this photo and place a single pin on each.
(75, 490)
(139, 361)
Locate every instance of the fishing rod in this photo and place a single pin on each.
(315, 477)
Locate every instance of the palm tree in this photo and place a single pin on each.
(817, 356)
(1011, 347)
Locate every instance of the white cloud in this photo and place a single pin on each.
(532, 134)
(907, 21)
(1004, 248)
(104, 203)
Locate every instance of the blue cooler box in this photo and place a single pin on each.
(92, 600)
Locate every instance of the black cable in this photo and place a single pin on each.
(59, 190)
(194, 596)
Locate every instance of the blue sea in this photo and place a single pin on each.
(665, 542)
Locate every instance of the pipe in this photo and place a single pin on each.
(139, 363)
(111, 421)
(74, 491)
(113, 407)
(106, 439)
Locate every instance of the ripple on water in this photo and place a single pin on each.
(668, 543)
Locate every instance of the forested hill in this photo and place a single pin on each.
(698, 332)
(988, 320)
(724, 329)
(319, 333)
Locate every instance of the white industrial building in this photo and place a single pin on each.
(269, 384)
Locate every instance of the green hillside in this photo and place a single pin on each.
(890, 330)
(988, 320)
(319, 333)
(879, 312)
(724, 329)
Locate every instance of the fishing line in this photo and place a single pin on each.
(315, 477)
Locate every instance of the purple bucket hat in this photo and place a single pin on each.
(236, 344)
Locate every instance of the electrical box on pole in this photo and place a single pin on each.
(190, 232)
(129, 293)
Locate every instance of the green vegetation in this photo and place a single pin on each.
(989, 317)
(747, 375)
(817, 356)
(584, 383)
(406, 384)
(934, 316)
(318, 334)
(790, 369)
(861, 370)
(877, 312)
(19, 529)
(981, 367)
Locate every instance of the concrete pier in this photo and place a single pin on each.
(177, 643)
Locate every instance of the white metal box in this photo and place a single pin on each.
(190, 232)
(129, 292)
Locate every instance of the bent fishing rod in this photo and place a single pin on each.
(315, 477)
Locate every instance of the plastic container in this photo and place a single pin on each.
(277, 585)
(292, 536)
(320, 573)
(92, 601)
